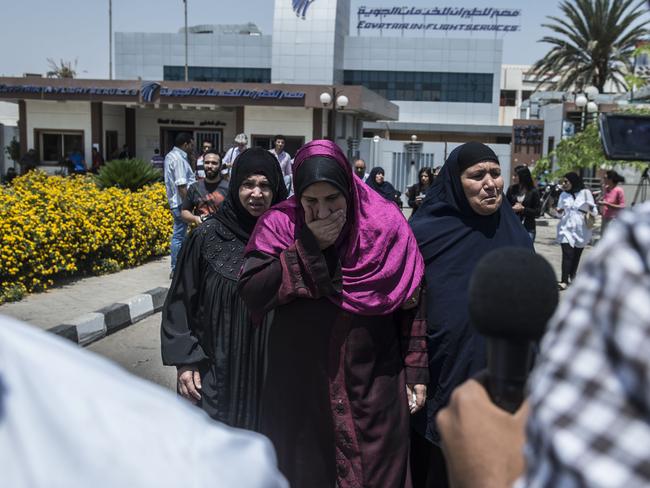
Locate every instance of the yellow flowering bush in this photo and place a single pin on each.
(52, 226)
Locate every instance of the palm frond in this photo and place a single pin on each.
(591, 43)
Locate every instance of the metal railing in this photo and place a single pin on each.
(402, 175)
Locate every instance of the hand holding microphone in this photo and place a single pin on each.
(512, 295)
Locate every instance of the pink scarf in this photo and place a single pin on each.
(380, 260)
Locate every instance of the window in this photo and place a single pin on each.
(508, 98)
(55, 146)
(425, 86)
(525, 94)
(224, 75)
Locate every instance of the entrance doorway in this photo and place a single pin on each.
(291, 143)
(214, 137)
(168, 136)
(111, 145)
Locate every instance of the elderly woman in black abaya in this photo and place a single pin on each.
(377, 182)
(207, 330)
(461, 219)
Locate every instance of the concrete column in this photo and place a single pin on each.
(317, 124)
(129, 126)
(97, 125)
(22, 127)
(239, 120)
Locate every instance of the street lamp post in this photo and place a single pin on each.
(585, 101)
(110, 39)
(337, 101)
(414, 149)
(186, 68)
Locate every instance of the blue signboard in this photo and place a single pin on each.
(148, 91)
(233, 92)
(69, 90)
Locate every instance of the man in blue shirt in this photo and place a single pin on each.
(178, 177)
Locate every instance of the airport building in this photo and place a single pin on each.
(417, 82)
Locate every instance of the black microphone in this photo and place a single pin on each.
(512, 295)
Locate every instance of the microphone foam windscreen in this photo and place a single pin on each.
(512, 294)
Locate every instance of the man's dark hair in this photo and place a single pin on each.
(156, 151)
(183, 138)
(279, 137)
(212, 151)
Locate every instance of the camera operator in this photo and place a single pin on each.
(589, 394)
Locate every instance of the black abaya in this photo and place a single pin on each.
(205, 322)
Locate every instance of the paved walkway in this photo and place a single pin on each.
(67, 302)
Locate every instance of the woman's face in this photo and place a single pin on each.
(607, 182)
(424, 179)
(515, 179)
(483, 187)
(379, 178)
(565, 184)
(255, 194)
(322, 199)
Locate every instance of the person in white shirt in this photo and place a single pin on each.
(70, 418)
(241, 141)
(284, 158)
(575, 205)
(178, 177)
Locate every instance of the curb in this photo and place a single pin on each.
(91, 327)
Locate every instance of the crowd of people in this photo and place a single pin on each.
(327, 321)
(338, 329)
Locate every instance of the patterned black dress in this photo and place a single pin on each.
(205, 322)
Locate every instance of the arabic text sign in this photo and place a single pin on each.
(235, 92)
(164, 91)
(374, 19)
(461, 12)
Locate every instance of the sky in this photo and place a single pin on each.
(35, 30)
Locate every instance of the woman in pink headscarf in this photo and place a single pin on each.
(347, 359)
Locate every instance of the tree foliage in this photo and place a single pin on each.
(64, 69)
(633, 80)
(592, 43)
(583, 151)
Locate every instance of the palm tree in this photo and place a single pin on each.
(594, 43)
(65, 69)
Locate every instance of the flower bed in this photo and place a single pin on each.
(51, 227)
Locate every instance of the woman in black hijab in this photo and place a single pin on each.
(207, 330)
(461, 219)
(417, 192)
(384, 188)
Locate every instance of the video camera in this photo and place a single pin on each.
(625, 137)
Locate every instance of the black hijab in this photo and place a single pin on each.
(321, 169)
(576, 182)
(452, 239)
(386, 190)
(253, 161)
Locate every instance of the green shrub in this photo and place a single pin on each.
(130, 174)
(53, 227)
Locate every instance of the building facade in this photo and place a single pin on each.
(433, 80)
